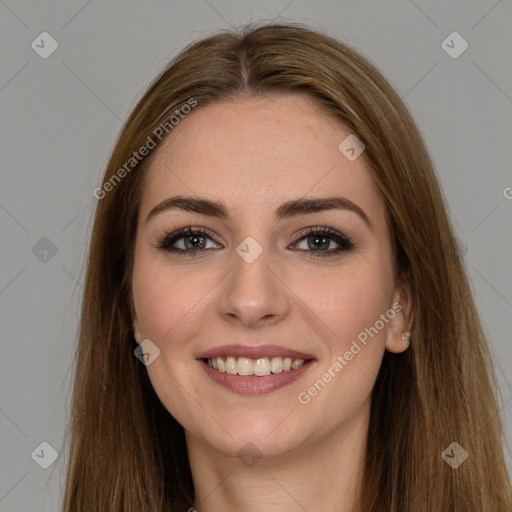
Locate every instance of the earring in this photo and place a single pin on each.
(406, 335)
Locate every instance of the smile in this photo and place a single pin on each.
(254, 370)
(259, 367)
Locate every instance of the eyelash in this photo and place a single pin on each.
(344, 242)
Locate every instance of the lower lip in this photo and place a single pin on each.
(252, 384)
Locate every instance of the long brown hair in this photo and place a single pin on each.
(127, 453)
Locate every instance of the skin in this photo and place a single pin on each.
(255, 154)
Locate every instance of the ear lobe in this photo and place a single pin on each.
(398, 345)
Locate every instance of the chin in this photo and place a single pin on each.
(252, 434)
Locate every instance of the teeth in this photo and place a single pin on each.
(244, 366)
(276, 365)
(231, 365)
(259, 367)
(295, 365)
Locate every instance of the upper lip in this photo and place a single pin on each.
(254, 352)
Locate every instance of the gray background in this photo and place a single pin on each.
(60, 117)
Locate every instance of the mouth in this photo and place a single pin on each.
(259, 367)
(254, 370)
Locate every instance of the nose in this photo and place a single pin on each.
(254, 294)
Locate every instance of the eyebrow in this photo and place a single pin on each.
(286, 210)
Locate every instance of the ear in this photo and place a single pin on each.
(397, 340)
(135, 322)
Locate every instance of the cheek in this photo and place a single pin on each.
(349, 305)
(168, 306)
(163, 299)
(347, 301)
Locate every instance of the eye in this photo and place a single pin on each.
(320, 238)
(194, 241)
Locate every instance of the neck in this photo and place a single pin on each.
(319, 475)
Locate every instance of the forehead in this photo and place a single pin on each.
(256, 153)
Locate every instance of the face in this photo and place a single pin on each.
(256, 286)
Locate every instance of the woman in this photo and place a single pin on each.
(275, 314)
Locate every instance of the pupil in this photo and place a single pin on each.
(194, 245)
(323, 243)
